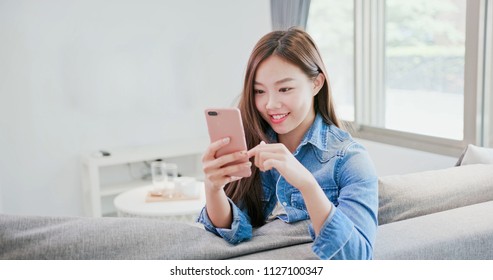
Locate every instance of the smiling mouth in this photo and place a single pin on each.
(278, 118)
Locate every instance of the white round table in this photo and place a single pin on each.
(133, 203)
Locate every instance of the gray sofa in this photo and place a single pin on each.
(441, 214)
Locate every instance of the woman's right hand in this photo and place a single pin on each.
(217, 175)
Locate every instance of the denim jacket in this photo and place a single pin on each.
(343, 169)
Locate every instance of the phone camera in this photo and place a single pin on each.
(212, 113)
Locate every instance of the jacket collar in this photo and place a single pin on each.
(316, 135)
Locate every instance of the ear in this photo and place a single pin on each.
(318, 83)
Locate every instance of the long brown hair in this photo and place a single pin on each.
(298, 48)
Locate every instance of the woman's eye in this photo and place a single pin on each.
(285, 89)
(258, 91)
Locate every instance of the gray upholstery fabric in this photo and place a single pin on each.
(454, 223)
(294, 252)
(462, 233)
(411, 195)
(26, 237)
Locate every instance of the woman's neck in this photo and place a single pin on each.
(293, 138)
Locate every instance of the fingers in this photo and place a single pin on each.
(263, 147)
(216, 170)
(217, 163)
(268, 156)
(268, 160)
(260, 147)
(271, 163)
(238, 156)
(221, 176)
(210, 152)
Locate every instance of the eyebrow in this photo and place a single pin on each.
(278, 82)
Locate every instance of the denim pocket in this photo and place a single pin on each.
(330, 192)
(297, 201)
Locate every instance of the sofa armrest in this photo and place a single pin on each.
(416, 194)
(31, 237)
(461, 233)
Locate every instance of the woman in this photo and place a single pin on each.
(305, 166)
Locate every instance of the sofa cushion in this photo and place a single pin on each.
(474, 154)
(461, 233)
(416, 194)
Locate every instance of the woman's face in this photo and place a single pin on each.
(284, 96)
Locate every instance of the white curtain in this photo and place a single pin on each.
(288, 13)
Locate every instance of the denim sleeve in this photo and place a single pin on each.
(350, 229)
(241, 228)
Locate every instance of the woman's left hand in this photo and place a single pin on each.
(268, 156)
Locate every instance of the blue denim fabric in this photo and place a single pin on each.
(346, 174)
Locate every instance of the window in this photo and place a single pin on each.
(424, 67)
(409, 73)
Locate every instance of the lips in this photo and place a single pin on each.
(278, 118)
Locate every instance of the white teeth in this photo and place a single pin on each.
(278, 117)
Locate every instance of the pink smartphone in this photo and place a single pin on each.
(226, 122)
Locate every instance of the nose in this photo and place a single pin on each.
(273, 102)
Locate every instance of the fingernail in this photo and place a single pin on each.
(226, 140)
(262, 142)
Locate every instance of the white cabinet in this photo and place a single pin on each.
(104, 177)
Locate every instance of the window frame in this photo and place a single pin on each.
(488, 78)
(369, 52)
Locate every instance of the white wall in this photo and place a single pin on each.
(82, 75)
